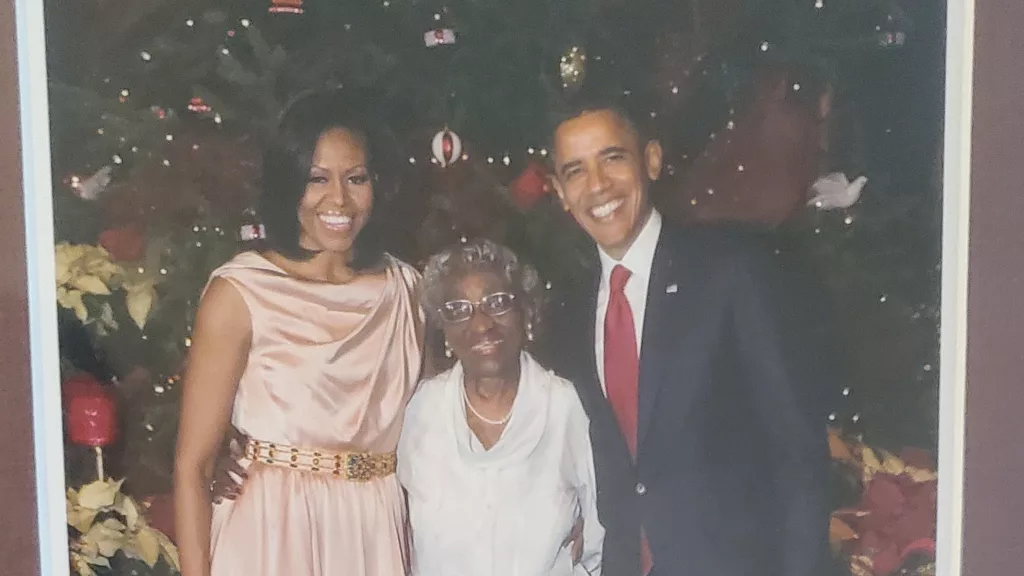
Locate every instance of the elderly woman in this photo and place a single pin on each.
(495, 453)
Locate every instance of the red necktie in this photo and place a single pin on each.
(621, 361)
(622, 373)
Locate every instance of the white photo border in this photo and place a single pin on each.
(956, 206)
(44, 345)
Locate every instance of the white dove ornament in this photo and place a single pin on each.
(835, 191)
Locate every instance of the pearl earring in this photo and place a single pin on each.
(529, 331)
(447, 349)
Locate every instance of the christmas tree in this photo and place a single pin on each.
(159, 110)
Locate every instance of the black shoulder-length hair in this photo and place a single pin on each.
(289, 155)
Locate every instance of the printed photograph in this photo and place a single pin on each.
(498, 288)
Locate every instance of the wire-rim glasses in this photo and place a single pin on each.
(493, 305)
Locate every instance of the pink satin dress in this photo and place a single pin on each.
(332, 368)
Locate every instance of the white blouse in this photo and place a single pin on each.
(505, 511)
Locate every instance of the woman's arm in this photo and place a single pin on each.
(220, 348)
(583, 454)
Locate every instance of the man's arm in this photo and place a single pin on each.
(788, 358)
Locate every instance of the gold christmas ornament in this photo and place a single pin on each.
(573, 67)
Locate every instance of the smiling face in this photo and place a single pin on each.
(487, 344)
(339, 193)
(602, 176)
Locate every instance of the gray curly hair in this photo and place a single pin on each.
(481, 255)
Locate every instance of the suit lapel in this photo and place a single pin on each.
(667, 325)
(587, 318)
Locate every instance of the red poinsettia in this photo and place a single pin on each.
(125, 244)
(530, 186)
(895, 518)
(160, 511)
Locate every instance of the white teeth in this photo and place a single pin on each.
(335, 220)
(605, 210)
(484, 346)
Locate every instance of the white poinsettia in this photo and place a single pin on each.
(123, 529)
(83, 269)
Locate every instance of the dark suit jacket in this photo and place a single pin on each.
(731, 473)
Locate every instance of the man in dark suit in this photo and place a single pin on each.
(699, 361)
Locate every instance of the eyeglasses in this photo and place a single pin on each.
(456, 311)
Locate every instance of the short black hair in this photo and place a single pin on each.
(287, 159)
(587, 101)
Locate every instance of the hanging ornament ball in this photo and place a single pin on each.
(572, 67)
(446, 147)
(286, 7)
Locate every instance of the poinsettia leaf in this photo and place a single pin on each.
(106, 539)
(838, 447)
(139, 301)
(99, 494)
(81, 519)
(920, 475)
(149, 546)
(130, 511)
(840, 531)
(170, 552)
(99, 561)
(114, 524)
(91, 285)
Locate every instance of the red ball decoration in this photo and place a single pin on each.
(530, 186)
(446, 147)
(91, 412)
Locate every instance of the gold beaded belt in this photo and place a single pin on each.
(355, 466)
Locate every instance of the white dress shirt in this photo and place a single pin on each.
(638, 259)
(505, 511)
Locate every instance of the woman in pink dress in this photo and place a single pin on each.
(312, 350)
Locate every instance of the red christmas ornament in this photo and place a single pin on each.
(446, 147)
(251, 229)
(530, 186)
(92, 415)
(286, 7)
(439, 37)
(198, 106)
(91, 412)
